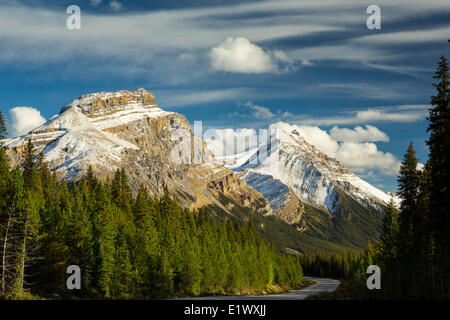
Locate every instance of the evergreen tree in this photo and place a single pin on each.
(408, 190)
(126, 247)
(439, 145)
(389, 255)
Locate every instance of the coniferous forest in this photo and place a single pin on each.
(414, 248)
(126, 247)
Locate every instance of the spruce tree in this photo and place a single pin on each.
(439, 145)
(408, 189)
(389, 254)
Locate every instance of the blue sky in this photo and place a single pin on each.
(241, 64)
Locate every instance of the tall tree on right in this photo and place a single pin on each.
(408, 190)
(439, 145)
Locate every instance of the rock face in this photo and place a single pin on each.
(127, 129)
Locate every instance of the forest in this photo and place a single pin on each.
(413, 252)
(148, 247)
(141, 247)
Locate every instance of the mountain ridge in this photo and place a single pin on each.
(157, 149)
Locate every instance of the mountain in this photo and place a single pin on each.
(297, 179)
(127, 129)
(297, 196)
(286, 163)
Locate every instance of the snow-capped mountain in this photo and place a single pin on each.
(285, 176)
(127, 129)
(79, 136)
(287, 162)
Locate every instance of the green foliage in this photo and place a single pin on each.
(439, 211)
(414, 248)
(127, 247)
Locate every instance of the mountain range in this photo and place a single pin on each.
(297, 196)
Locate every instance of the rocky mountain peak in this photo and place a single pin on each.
(104, 103)
(287, 162)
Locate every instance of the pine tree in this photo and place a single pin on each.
(439, 145)
(28, 164)
(424, 270)
(389, 254)
(408, 190)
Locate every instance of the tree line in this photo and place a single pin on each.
(126, 246)
(414, 248)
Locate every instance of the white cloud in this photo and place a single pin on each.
(115, 5)
(358, 134)
(306, 63)
(226, 142)
(319, 138)
(359, 157)
(363, 156)
(241, 56)
(24, 119)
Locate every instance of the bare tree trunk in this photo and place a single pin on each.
(23, 258)
(5, 246)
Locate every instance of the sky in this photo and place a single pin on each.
(359, 94)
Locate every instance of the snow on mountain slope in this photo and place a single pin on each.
(128, 130)
(288, 160)
(72, 142)
(78, 136)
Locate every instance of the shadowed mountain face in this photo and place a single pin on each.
(300, 192)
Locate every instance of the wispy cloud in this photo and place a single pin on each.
(115, 5)
(177, 98)
(95, 3)
(38, 35)
(377, 90)
(404, 113)
(410, 36)
(259, 112)
(141, 34)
